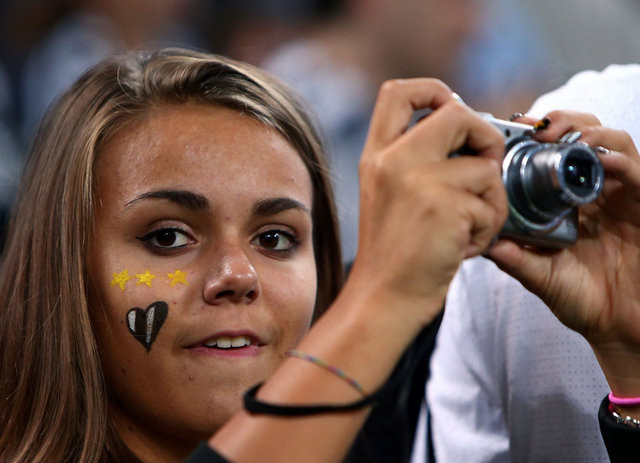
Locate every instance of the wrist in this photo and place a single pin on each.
(380, 303)
(621, 367)
(366, 332)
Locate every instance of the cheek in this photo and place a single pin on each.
(133, 332)
(132, 314)
(295, 302)
(121, 288)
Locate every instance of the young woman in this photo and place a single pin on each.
(110, 188)
(175, 234)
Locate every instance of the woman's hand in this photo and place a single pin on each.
(593, 286)
(422, 213)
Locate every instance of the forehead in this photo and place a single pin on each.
(208, 149)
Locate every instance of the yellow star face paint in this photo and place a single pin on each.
(177, 277)
(145, 278)
(120, 279)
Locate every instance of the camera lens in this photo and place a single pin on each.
(544, 181)
(578, 175)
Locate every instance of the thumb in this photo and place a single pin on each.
(532, 269)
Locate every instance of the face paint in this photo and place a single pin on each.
(177, 277)
(145, 278)
(120, 279)
(145, 324)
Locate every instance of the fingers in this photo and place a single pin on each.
(486, 221)
(472, 191)
(619, 157)
(559, 123)
(476, 175)
(623, 168)
(615, 140)
(468, 222)
(486, 199)
(396, 103)
(393, 153)
(452, 126)
(528, 266)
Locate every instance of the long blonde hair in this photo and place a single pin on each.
(53, 399)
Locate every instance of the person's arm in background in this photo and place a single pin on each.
(554, 419)
(613, 95)
(592, 286)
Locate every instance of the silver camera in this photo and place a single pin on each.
(545, 183)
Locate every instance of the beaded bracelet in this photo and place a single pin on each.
(330, 368)
(622, 418)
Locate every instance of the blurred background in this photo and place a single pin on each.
(497, 54)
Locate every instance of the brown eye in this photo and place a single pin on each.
(166, 239)
(271, 240)
(276, 240)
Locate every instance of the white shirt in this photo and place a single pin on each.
(508, 381)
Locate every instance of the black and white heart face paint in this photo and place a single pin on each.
(145, 324)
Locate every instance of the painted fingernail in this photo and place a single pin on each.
(515, 116)
(541, 124)
(601, 150)
(570, 137)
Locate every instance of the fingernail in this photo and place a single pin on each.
(541, 124)
(601, 150)
(570, 137)
(515, 116)
(458, 98)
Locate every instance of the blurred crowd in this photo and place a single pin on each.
(497, 54)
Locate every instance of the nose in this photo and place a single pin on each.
(232, 279)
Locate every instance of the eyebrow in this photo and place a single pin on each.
(190, 200)
(273, 206)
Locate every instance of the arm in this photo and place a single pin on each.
(421, 215)
(592, 286)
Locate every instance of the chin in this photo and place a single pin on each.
(209, 417)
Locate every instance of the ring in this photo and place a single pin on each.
(570, 137)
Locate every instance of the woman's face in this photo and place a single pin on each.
(202, 266)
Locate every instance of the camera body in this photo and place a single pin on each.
(545, 183)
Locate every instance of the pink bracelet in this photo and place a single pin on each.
(623, 400)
